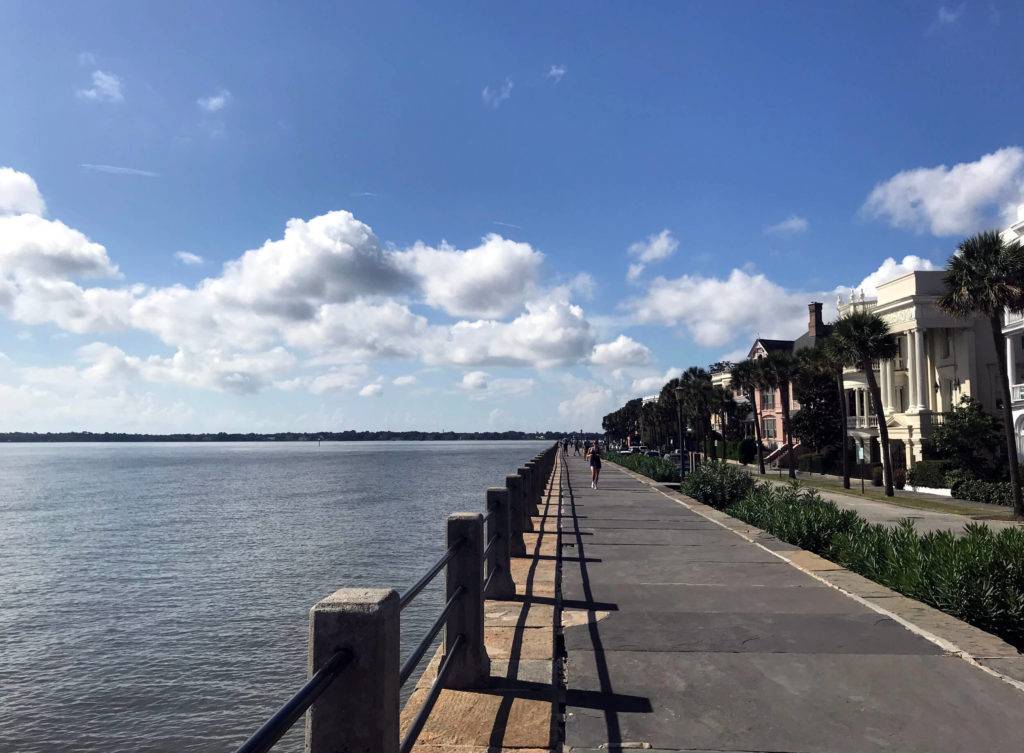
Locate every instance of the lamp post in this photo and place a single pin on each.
(679, 419)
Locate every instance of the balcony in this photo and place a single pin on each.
(932, 419)
(862, 422)
(1017, 393)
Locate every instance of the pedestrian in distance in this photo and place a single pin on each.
(576, 445)
(595, 464)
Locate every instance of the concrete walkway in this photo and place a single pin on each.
(683, 635)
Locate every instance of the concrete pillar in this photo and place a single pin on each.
(360, 709)
(912, 367)
(471, 667)
(534, 498)
(526, 473)
(888, 385)
(922, 372)
(1011, 360)
(499, 524)
(514, 484)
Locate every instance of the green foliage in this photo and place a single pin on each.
(876, 476)
(658, 469)
(818, 423)
(969, 438)
(992, 492)
(747, 452)
(978, 578)
(930, 473)
(717, 484)
(899, 477)
(812, 462)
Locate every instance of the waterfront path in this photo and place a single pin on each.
(683, 634)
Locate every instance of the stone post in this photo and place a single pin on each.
(526, 473)
(514, 484)
(359, 710)
(499, 524)
(470, 667)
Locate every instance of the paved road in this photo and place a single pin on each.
(875, 511)
(682, 635)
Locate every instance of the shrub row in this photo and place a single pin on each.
(978, 578)
(658, 469)
(993, 492)
(930, 473)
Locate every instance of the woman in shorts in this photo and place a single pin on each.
(595, 464)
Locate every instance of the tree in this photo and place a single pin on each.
(860, 339)
(986, 276)
(832, 358)
(668, 403)
(698, 398)
(818, 422)
(967, 439)
(784, 367)
(746, 380)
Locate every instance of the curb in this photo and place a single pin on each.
(955, 637)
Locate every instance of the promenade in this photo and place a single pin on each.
(683, 634)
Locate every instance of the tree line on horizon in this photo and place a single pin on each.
(289, 436)
(984, 277)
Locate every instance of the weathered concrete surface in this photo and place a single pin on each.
(516, 711)
(706, 642)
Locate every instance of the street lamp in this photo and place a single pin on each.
(679, 418)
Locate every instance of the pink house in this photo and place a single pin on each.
(768, 401)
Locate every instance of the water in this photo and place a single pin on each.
(155, 597)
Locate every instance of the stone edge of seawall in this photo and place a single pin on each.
(955, 637)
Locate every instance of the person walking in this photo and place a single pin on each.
(595, 464)
(576, 446)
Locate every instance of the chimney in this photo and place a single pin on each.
(815, 326)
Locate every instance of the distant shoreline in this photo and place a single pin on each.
(326, 436)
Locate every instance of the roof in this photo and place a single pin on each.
(770, 345)
(806, 340)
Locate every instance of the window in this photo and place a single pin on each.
(947, 340)
(768, 430)
(901, 407)
(768, 398)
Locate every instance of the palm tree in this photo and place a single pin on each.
(859, 339)
(745, 381)
(783, 365)
(697, 400)
(832, 361)
(986, 276)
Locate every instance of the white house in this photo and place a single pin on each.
(1013, 329)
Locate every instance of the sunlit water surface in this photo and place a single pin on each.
(155, 597)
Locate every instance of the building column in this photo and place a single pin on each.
(911, 373)
(922, 373)
(887, 385)
(1011, 360)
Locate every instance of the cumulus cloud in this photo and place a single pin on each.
(555, 73)
(890, 269)
(589, 403)
(952, 200)
(623, 351)
(19, 193)
(33, 247)
(187, 258)
(474, 380)
(494, 98)
(106, 87)
(405, 380)
(655, 248)
(215, 102)
(371, 390)
(488, 281)
(792, 225)
(341, 379)
(652, 383)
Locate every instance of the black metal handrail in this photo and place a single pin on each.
(422, 583)
(275, 727)
(490, 545)
(490, 577)
(428, 639)
(428, 705)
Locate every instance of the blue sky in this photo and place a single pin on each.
(498, 216)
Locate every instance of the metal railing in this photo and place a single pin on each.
(367, 625)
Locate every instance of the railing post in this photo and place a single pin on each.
(534, 505)
(471, 667)
(500, 524)
(514, 484)
(359, 710)
(526, 473)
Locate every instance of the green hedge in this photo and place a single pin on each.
(930, 473)
(658, 469)
(995, 493)
(717, 484)
(978, 578)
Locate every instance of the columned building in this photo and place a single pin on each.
(940, 360)
(1013, 329)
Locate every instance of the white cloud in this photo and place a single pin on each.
(215, 102)
(583, 285)
(890, 269)
(494, 98)
(19, 193)
(490, 280)
(33, 247)
(651, 385)
(188, 258)
(404, 381)
(623, 351)
(106, 87)
(952, 201)
(589, 403)
(556, 72)
(115, 170)
(338, 380)
(371, 390)
(950, 15)
(655, 248)
(790, 226)
(474, 380)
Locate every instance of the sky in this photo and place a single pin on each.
(469, 216)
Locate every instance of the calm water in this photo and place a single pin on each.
(156, 597)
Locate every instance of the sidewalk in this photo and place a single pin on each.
(886, 513)
(684, 634)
